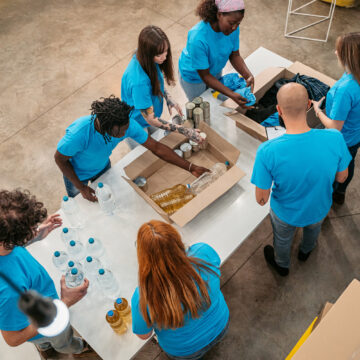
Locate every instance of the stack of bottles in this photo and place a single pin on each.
(120, 317)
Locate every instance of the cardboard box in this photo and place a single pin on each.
(337, 336)
(161, 175)
(263, 82)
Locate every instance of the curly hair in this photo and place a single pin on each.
(110, 112)
(20, 213)
(207, 11)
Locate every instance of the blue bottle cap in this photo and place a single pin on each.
(72, 243)
(65, 230)
(227, 163)
(91, 240)
(74, 271)
(65, 198)
(89, 259)
(100, 185)
(188, 186)
(71, 263)
(101, 271)
(57, 253)
(110, 313)
(119, 301)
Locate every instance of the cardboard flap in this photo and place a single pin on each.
(201, 201)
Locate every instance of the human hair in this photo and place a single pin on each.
(110, 112)
(207, 11)
(169, 281)
(348, 51)
(20, 214)
(153, 41)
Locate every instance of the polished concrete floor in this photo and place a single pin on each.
(58, 56)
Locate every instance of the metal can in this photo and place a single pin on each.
(205, 106)
(179, 152)
(194, 145)
(190, 106)
(204, 143)
(141, 182)
(197, 101)
(177, 120)
(186, 149)
(189, 124)
(198, 116)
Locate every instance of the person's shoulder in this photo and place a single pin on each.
(347, 85)
(81, 123)
(205, 252)
(135, 299)
(199, 31)
(327, 133)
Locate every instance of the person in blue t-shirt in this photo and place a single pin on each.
(83, 153)
(142, 84)
(20, 216)
(210, 44)
(179, 296)
(300, 168)
(343, 104)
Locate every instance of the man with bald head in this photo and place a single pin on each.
(300, 168)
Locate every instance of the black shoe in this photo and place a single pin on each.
(303, 256)
(338, 198)
(270, 259)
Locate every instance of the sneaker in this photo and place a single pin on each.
(303, 256)
(270, 259)
(338, 197)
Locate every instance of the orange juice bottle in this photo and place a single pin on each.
(123, 308)
(116, 322)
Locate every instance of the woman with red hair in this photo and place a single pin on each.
(179, 296)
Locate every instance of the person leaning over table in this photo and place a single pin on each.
(301, 167)
(83, 153)
(23, 220)
(142, 84)
(343, 104)
(210, 44)
(179, 296)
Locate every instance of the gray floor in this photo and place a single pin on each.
(56, 57)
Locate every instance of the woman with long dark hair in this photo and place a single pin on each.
(210, 44)
(142, 84)
(343, 103)
(179, 294)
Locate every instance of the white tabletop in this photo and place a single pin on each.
(224, 225)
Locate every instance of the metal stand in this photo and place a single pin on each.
(322, 18)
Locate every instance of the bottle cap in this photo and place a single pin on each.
(71, 263)
(65, 198)
(101, 271)
(65, 230)
(100, 185)
(188, 186)
(227, 163)
(119, 301)
(74, 271)
(89, 259)
(57, 253)
(91, 240)
(110, 313)
(72, 243)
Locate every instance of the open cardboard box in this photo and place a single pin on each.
(161, 175)
(263, 82)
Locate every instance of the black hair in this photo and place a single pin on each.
(110, 112)
(207, 10)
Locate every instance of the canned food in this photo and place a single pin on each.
(197, 101)
(179, 152)
(198, 116)
(177, 120)
(194, 145)
(205, 106)
(141, 182)
(186, 149)
(204, 143)
(190, 106)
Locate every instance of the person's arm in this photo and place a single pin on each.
(239, 65)
(52, 222)
(67, 169)
(168, 155)
(262, 196)
(341, 176)
(326, 121)
(16, 338)
(172, 104)
(145, 336)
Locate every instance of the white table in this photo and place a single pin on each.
(224, 225)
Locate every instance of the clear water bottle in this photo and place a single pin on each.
(106, 198)
(68, 234)
(107, 283)
(94, 247)
(60, 260)
(74, 278)
(71, 209)
(91, 267)
(76, 250)
(74, 264)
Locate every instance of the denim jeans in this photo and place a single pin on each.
(65, 343)
(72, 190)
(283, 237)
(133, 144)
(199, 354)
(341, 187)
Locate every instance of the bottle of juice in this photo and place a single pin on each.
(124, 309)
(116, 322)
(174, 191)
(173, 203)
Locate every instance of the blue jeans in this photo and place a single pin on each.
(283, 237)
(72, 190)
(199, 354)
(341, 187)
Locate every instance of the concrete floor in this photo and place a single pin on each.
(57, 57)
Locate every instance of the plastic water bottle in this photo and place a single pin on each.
(68, 234)
(105, 198)
(91, 267)
(124, 309)
(76, 250)
(74, 264)
(71, 209)
(94, 247)
(107, 283)
(60, 260)
(74, 278)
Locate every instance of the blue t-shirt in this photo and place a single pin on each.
(302, 169)
(343, 103)
(206, 49)
(136, 91)
(87, 148)
(27, 274)
(196, 333)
